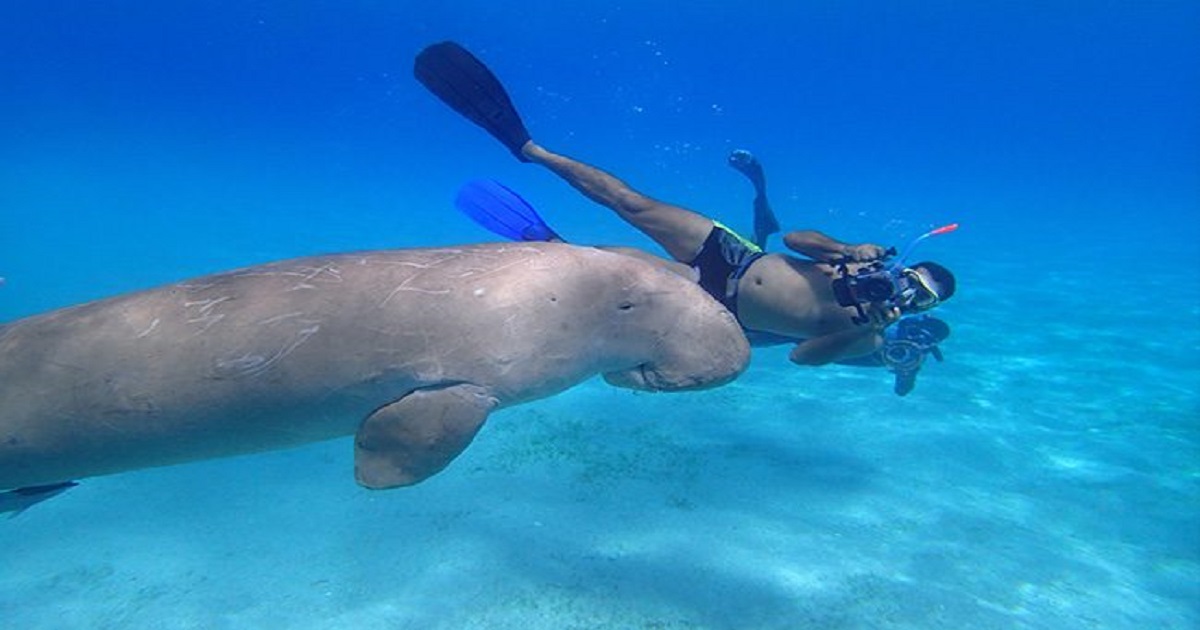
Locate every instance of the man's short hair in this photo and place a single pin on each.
(941, 275)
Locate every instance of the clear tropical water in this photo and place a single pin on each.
(1047, 475)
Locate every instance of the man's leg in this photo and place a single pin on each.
(765, 223)
(678, 230)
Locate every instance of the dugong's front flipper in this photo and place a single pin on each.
(407, 441)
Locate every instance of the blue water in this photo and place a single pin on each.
(1047, 475)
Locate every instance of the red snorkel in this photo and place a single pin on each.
(945, 229)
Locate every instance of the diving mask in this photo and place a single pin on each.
(917, 295)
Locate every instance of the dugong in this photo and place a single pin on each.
(409, 350)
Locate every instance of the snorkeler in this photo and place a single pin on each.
(837, 303)
(906, 345)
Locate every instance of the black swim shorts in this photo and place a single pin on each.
(721, 263)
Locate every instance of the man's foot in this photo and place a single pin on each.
(528, 150)
(745, 163)
(765, 223)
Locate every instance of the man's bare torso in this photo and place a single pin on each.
(791, 296)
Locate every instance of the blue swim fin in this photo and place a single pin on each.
(502, 211)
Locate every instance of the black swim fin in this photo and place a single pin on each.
(765, 223)
(461, 81)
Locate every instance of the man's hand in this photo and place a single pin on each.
(865, 252)
(881, 316)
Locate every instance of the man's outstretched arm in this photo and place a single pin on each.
(822, 248)
(844, 344)
(847, 344)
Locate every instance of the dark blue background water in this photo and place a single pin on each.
(145, 142)
(296, 126)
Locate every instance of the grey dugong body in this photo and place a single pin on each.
(407, 349)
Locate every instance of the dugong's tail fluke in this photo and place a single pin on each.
(16, 501)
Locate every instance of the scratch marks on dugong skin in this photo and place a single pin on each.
(204, 314)
(276, 337)
(446, 283)
(255, 364)
(405, 286)
(149, 329)
(306, 277)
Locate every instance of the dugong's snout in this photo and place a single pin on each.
(703, 347)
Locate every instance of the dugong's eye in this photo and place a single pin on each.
(625, 306)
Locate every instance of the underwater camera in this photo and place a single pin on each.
(873, 284)
(876, 283)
